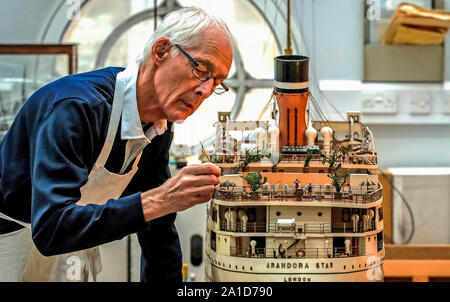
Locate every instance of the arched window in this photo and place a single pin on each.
(113, 32)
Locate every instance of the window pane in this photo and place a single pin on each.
(255, 39)
(130, 45)
(98, 19)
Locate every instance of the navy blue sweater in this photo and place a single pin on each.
(46, 157)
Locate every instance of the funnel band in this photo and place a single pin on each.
(291, 91)
(291, 86)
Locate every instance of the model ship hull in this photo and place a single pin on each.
(221, 268)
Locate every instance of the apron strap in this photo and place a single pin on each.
(24, 224)
(119, 95)
(136, 161)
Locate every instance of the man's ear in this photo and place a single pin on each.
(160, 50)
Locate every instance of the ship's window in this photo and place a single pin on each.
(380, 241)
(214, 214)
(213, 241)
(299, 213)
(380, 214)
(346, 215)
(278, 213)
(319, 214)
(251, 213)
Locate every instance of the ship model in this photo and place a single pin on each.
(299, 198)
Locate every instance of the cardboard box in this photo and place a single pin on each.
(403, 63)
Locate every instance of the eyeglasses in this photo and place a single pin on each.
(203, 74)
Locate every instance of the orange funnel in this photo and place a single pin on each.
(291, 92)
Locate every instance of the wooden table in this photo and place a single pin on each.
(417, 263)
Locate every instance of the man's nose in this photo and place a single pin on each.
(204, 89)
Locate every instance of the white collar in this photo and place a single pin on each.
(131, 122)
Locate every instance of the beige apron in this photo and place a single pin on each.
(19, 258)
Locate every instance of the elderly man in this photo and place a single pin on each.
(86, 159)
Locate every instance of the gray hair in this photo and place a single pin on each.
(182, 27)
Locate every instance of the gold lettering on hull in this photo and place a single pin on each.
(297, 279)
(299, 265)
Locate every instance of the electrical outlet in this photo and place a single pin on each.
(420, 103)
(379, 103)
(446, 104)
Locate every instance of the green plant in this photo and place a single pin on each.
(332, 159)
(337, 182)
(251, 158)
(309, 155)
(254, 180)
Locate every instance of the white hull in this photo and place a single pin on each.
(221, 268)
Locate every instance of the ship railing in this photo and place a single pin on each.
(297, 252)
(297, 228)
(362, 159)
(323, 193)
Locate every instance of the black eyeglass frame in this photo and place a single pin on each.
(196, 64)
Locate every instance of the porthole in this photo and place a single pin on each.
(278, 213)
(299, 213)
(319, 214)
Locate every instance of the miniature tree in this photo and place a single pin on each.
(331, 160)
(337, 182)
(251, 158)
(254, 180)
(309, 155)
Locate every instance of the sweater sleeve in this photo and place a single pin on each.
(64, 150)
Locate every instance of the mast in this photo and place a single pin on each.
(292, 93)
(288, 50)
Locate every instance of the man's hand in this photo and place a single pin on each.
(192, 185)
